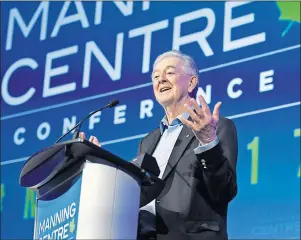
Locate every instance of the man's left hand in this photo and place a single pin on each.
(203, 123)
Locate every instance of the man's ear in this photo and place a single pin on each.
(193, 82)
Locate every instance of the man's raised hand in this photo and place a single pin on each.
(202, 122)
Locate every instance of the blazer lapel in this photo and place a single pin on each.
(155, 137)
(184, 138)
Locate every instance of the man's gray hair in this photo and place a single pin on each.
(189, 65)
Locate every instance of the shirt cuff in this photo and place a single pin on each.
(202, 148)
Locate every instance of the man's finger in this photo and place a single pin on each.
(188, 123)
(205, 107)
(197, 108)
(94, 140)
(216, 110)
(193, 115)
(82, 135)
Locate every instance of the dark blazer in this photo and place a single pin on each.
(198, 188)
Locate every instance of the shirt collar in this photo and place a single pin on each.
(164, 123)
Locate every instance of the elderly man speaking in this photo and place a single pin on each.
(196, 151)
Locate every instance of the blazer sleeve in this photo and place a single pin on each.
(218, 164)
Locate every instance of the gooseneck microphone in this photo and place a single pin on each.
(111, 104)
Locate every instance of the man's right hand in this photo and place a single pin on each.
(92, 139)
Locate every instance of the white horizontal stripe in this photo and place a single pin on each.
(14, 160)
(264, 110)
(144, 85)
(143, 135)
(250, 58)
(77, 101)
(123, 139)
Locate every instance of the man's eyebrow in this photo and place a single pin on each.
(167, 67)
(170, 66)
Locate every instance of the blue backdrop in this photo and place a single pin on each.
(61, 60)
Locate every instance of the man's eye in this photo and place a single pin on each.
(155, 77)
(170, 73)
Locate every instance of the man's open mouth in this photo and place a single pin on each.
(164, 89)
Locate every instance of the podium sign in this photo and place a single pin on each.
(57, 218)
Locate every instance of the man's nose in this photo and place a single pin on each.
(162, 78)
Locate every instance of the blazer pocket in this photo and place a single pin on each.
(200, 226)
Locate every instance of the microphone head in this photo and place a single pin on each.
(113, 103)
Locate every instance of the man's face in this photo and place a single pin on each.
(170, 82)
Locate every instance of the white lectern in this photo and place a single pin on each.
(86, 192)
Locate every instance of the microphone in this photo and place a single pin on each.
(111, 104)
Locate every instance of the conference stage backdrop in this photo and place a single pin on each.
(62, 60)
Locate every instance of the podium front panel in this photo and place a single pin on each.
(126, 206)
(109, 202)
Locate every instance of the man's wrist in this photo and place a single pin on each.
(202, 148)
(205, 141)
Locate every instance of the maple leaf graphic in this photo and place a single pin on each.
(72, 225)
(290, 11)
